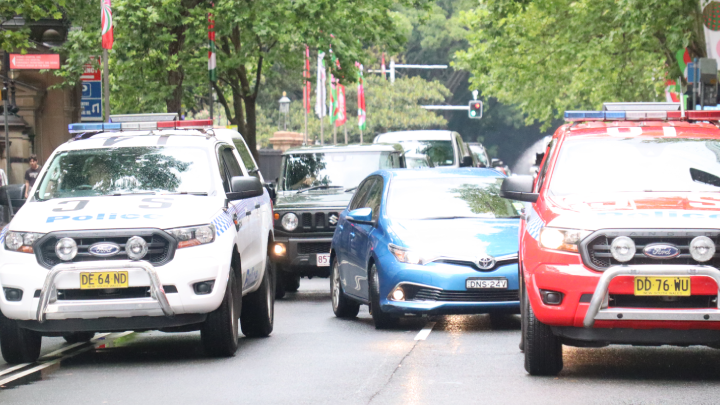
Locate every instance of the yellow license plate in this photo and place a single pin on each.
(668, 286)
(103, 279)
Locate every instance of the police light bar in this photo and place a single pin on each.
(574, 116)
(139, 126)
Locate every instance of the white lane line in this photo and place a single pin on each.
(11, 369)
(425, 332)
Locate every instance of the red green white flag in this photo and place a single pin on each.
(212, 67)
(361, 99)
(107, 25)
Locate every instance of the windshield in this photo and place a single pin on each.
(128, 170)
(336, 169)
(449, 197)
(479, 153)
(440, 153)
(641, 164)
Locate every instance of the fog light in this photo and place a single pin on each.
(279, 249)
(66, 249)
(13, 294)
(204, 287)
(551, 297)
(702, 248)
(622, 249)
(398, 294)
(136, 248)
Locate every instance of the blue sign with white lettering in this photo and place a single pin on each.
(91, 101)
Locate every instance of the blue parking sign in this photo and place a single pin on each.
(91, 101)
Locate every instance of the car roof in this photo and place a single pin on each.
(421, 135)
(371, 147)
(438, 173)
(119, 139)
(615, 129)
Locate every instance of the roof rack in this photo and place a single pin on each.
(642, 112)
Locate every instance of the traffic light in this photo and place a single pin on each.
(475, 111)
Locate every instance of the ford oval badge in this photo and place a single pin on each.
(661, 251)
(104, 249)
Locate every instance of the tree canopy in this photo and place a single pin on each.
(548, 56)
(30, 10)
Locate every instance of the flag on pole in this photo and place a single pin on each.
(711, 25)
(212, 62)
(338, 115)
(320, 92)
(672, 92)
(333, 90)
(107, 25)
(306, 76)
(361, 100)
(382, 65)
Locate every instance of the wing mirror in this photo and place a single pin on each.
(467, 161)
(496, 163)
(518, 188)
(361, 216)
(242, 187)
(270, 187)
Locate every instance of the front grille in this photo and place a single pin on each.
(314, 221)
(474, 266)
(632, 301)
(429, 294)
(313, 247)
(104, 293)
(595, 249)
(161, 246)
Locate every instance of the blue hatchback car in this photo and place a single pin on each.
(429, 241)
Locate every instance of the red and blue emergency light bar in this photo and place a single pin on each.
(642, 112)
(139, 122)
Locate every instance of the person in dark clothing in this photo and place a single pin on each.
(31, 174)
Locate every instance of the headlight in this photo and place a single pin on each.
(290, 221)
(66, 249)
(702, 248)
(562, 239)
(623, 249)
(404, 255)
(194, 235)
(21, 241)
(136, 248)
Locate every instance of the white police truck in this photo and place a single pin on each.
(141, 223)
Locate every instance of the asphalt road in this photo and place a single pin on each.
(314, 358)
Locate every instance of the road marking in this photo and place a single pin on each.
(423, 334)
(11, 369)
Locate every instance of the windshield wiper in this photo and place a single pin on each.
(131, 193)
(351, 189)
(459, 217)
(317, 188)
(187, 192)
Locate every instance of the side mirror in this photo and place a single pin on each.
(496, 163)
(242, 187)
(361, 216)
(270, 187)
(467, 161)
(518, 188)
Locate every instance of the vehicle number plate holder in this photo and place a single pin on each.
(486, 283)
(662, 286)
(323, 259)
(103, 279)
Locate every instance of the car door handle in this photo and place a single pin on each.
(248, 212)
(352, 235)
(257, 205)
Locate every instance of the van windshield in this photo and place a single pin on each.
(332, 170)
(127, 170)
(440, 153)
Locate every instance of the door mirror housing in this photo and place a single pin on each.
(518, 188)
(270, 187)
(496, 163)
(242, 187)
(361, 216)
(467, 161)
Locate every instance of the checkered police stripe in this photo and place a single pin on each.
(2, 234)
(534, 223)
(224, 220)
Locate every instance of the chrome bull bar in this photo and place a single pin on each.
(599, 310)
(158, 298)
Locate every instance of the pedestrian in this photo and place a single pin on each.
(31, 174)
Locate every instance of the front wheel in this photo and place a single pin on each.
(342, 306)
(219, 333)
(18, 345)
(381, 319)
(258, 312)
(543, 350)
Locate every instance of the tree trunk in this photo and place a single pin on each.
(175, 77)
(251, 126)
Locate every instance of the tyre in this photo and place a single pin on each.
(219, 333)
(291, 282)
(258, 311)
(342, 306)
(280, 276)
(523, 296)
(543, 350)
(381, 319)
(78, 337)
(18, 345)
